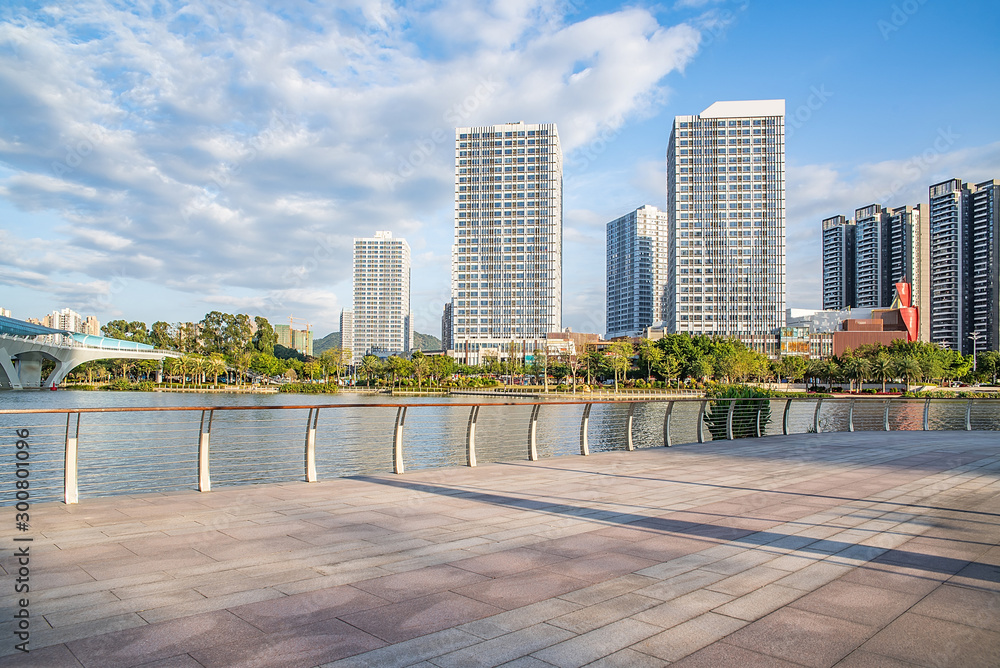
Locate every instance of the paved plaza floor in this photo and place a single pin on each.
(849, 549)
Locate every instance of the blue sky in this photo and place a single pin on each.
(162, 160)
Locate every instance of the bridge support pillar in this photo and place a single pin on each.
(8, 374)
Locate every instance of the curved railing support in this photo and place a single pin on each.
(666, 424)
(470, 437)
(584, 425)
(397, 440)
(205, 436)
(310, 455)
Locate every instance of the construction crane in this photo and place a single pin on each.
(291, 322)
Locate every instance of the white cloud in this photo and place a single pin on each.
(815, 192)
(207, 148)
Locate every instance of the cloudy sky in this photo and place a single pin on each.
(159, 160)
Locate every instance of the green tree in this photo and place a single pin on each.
(264, 338)
(421, 366)
(215, 366)
(882, 369)
(908, 368)
(312, 369)
(857, 369)
(669, 367)
(159, 335)
(620, 358)
(700, 368)
(371, 366)
(126, 331)
(397, 367)
(650, 355)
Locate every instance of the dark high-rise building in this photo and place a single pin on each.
(839, 246)
(964, 255)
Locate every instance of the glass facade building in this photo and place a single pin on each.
(637, 271)
(726, 213)
(506, 273)
(381, 323)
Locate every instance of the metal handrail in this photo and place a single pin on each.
(722, 418)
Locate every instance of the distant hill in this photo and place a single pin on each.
(426, 342)
(332, 340)
(327, 342)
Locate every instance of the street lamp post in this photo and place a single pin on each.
(975, 336)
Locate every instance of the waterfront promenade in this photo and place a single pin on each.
(847, 549)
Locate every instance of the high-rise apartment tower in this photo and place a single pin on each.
(381, 297)
(506, 272)
(964, 256)
(637, 271)
(839, 246)
(726, 212)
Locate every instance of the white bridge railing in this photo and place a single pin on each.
(101, 451)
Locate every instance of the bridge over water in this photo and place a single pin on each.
(24, 346)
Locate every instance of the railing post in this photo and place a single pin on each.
(819, 403)
(701, 421)
(666, 424)
(310, 455)
(760, 408)
(205, 435)
(885, 418)
(628, 443)
(397, 440)
(850, 416)
(584, 423)
(470, 437)
(71, 486)
(784, 417)
(533, 434)
(927, 414)
(729, 419)
(968, 416)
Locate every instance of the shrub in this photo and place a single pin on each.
(745, 413)
(309, 388)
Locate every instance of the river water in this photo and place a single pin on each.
(147, 452)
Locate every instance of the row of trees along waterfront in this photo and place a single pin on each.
(231, 345)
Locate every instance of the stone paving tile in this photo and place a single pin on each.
(303, 647)
(599, 567)
(520, 618)
(504, 649)
(55, 656)
(803, 637)
(600, 614)
(508, 562)
(963, 605)
(935, 642)
(862, 659)
(279, 614)
(731, 509)
(588, 647)
(602, 591)
(179, 661)
(408, 653)
(627, 658)
(681, 584)
(677, 642)
(520, 589)
(420, 582)
(747, 581)
(760, 602)
(419, 616)
(724, 655)
(857, 603)
(111, 609)
(683, 608)
(133, 646)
